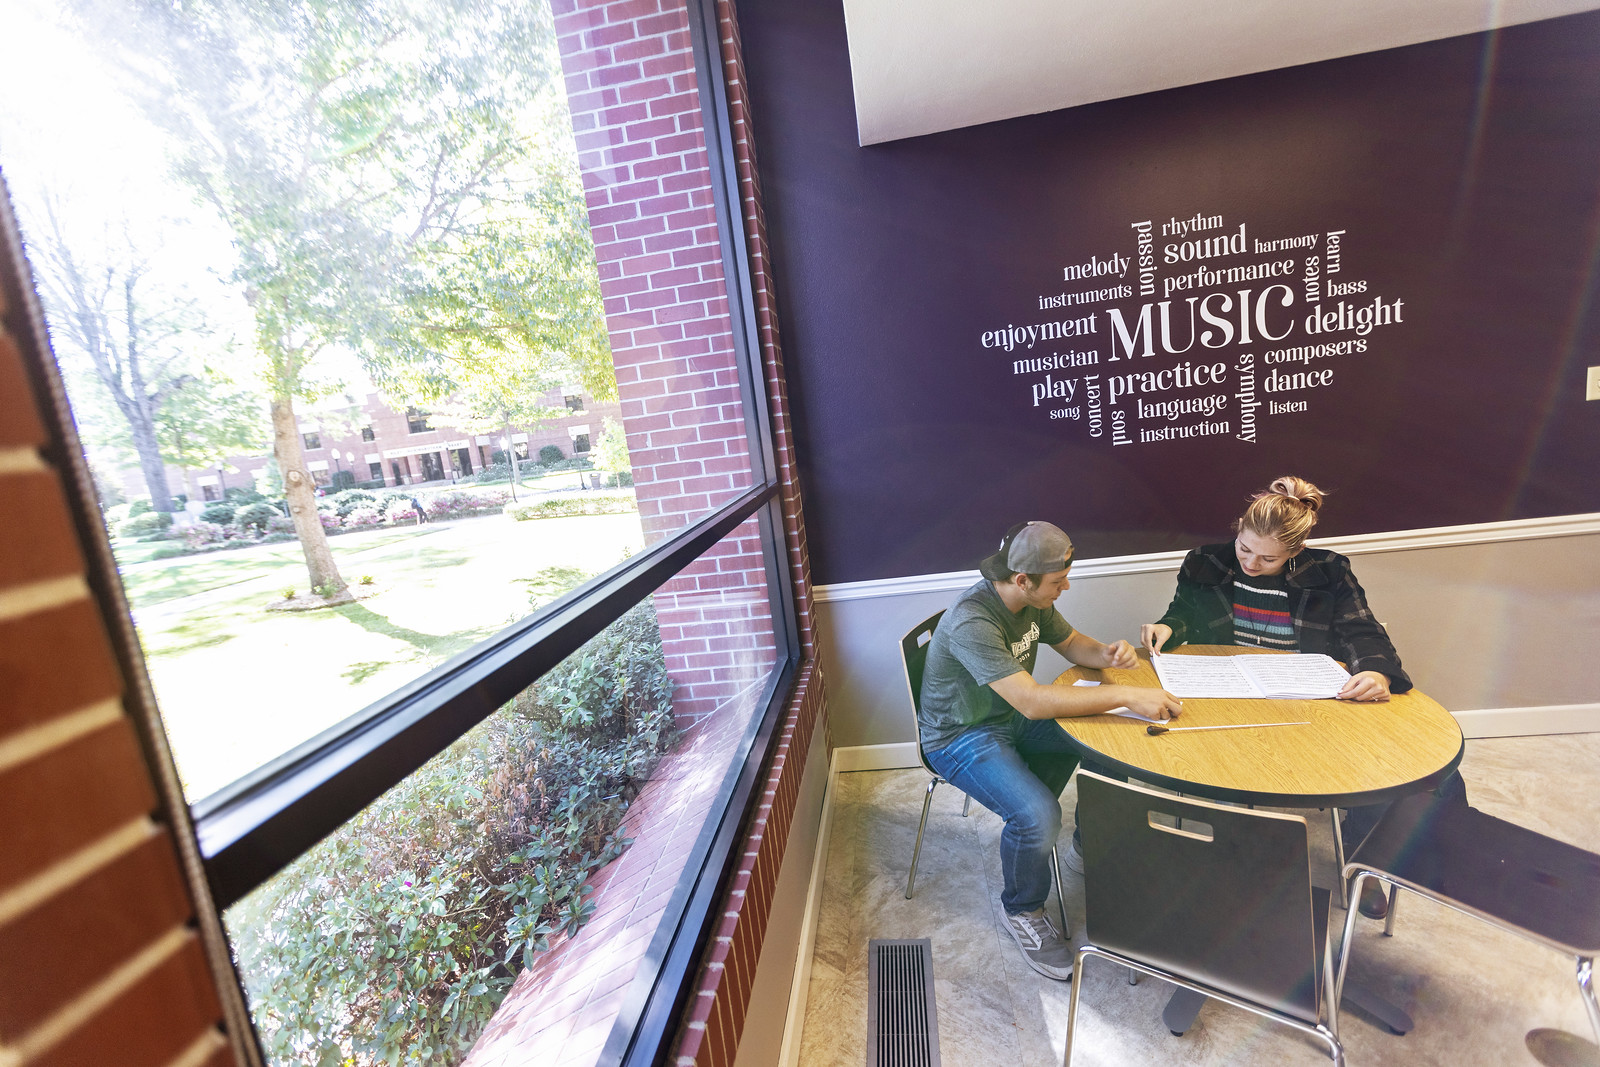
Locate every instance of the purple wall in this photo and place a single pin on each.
(1464, 174)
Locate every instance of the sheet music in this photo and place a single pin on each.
(1203, 676)
(1292, 677)
(1299, 677)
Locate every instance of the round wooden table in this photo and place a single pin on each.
(1347, 755)
(1350, 754)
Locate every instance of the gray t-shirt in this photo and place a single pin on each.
(979, 641)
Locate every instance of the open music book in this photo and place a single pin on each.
(1301, 676)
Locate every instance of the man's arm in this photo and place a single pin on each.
(1037, 701)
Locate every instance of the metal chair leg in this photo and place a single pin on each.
(1586, 986)
(1338, 860)
(927, 799)
(1061, 896)
(1072, 1005)
(966, 805)
(1133, 976)
(1388, 919)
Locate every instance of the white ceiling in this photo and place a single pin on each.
(920, 66)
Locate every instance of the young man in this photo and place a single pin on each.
(986, 724)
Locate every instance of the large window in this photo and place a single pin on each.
(418, 724)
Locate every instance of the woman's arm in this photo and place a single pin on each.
(1358, 638)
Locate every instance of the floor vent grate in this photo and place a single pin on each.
(902, 1025)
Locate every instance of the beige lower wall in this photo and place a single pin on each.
(761, 1043)
(1493, 625)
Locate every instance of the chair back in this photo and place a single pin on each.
(1218, 894)
(914, 657)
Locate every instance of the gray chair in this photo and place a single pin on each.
(1216, 900)
(1521, 881)
(914, 656)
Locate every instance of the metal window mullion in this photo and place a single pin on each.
(253, 829)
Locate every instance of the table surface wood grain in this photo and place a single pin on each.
(1349, 754)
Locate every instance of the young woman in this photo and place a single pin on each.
(1266, 588)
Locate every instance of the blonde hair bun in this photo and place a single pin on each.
(1285, 511)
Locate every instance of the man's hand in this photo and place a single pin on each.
(1366, 686)
(1151, 703)
(1120, 655)
(1152, 635)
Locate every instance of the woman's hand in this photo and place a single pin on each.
(1366, 686)
(1152, 635)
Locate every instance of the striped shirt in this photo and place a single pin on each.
(1261, 613)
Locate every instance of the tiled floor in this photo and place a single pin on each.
(1473, 991)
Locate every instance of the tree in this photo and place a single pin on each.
(98, 307)
(611, 451)
(368, 159)
(206, 420)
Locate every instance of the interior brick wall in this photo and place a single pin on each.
(100, 958)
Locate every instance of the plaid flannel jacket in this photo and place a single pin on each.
(1326, 603)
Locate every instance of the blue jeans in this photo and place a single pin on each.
(1016, 768)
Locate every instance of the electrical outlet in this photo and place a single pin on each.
(1591, 389)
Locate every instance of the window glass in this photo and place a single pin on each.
(438, 921)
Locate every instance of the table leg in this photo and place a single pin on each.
(1181, 1010)
(1374, 1005)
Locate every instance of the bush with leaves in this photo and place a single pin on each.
(255, 517)
(145, 523)
(220, 513)
(561, 506)
(363, 517)
(394, 940)
(203, 533)
(551, 454)
(346, 502)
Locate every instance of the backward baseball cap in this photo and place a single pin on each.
(1029, 548)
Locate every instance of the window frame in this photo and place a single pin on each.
(234, 840)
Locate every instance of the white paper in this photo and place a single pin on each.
(1127, 713)
(1300, 676)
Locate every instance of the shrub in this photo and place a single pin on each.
(399, 509)
(494, 472)
(220, 513)
(255, 517)
(171, 551)
(363, 517)
(394, 940)
(342, 479)
(330, 521)
(140, 507)
(458, 504)
(346, 502)
(562, 506)
(202, 533)
(144, 523)
(280, 524)
(276, 538)
(551, 454)
(240, 497)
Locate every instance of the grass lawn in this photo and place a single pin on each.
(238, 685)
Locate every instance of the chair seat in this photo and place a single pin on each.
(1545, 887)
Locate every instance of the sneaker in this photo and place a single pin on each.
(1074, 858)
(1045, 950)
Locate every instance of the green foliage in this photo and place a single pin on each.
(240, 497)
(220, 513)
(551, 454)
(144, 524)
(563, 506)
(342, 479)
(610, 452)
(394, 940)
(269, 480)
(255, 517)
(139, 507)
(346, 502)
(170, 551)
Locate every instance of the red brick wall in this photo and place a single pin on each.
(641, 148)
(100, 961)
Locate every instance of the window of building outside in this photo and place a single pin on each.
(423, 682)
